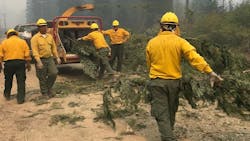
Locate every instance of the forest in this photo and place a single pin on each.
(218, 29)
(117, 109)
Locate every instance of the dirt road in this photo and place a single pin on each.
(71, 118)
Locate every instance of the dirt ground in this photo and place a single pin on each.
(32, 121)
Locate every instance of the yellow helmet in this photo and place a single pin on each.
(115, 23)
(41, 22)
(11, 31)
(94, 26)
(169, 17)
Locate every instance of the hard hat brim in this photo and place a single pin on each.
(12, 32)
(169, 23)
(42, 24)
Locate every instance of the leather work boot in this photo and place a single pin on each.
(50, 93)
(7, 97)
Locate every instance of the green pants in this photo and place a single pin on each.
(11, 68)
(117, 52)
(164, 101)
(47, 75)
(102, 54)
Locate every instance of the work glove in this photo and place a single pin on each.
(214, 78)
(79, 39)
(58, 60)
(28, 66)
(109, 53)
(39, 65)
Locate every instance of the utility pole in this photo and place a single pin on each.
(3, 15)
(4, 21)
(187, 5)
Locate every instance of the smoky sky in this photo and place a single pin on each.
(12, 12)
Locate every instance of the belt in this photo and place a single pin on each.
(45, 57)
(117, 44)
(157, 78)
(21, 60)
(102, 48)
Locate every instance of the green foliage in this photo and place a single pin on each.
(229, 28)
(131, 90)
(135, 125)
(241, 15)
(73, 104)
(89, 60)
(40, 111)
(40, 100)
(107, 114)
(135, 59)
(222, 38)
(232, 94)
(63, 89)
(65, 119)
(204, 6)
(216, 55)
(123, 101)
(56, 105)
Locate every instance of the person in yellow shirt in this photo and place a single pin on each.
(15, 54)
(163, 56)
(102, 48)
(44, 51)
(118, 37)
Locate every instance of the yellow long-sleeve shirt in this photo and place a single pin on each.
(164, 52)
(43, 46)
(14, 48)
(97, 38)
(117, 37)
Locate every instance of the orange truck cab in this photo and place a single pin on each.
(66, 30)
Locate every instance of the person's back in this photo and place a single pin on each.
(97, 38)
(165, 49)
(16, 56)
(163, 55)
(15, 48)
(101, 46)
(168, 48)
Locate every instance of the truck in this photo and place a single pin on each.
(67, 28)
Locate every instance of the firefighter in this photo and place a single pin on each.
(163, 56)
(102, 48)
(15, 54)
(45, 51)
(118, 37)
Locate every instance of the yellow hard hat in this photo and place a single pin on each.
(11, 31)
(169, 17)
(115, 23)
(94, 26)
(41, 22)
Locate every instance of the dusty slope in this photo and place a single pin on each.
(32, 122)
